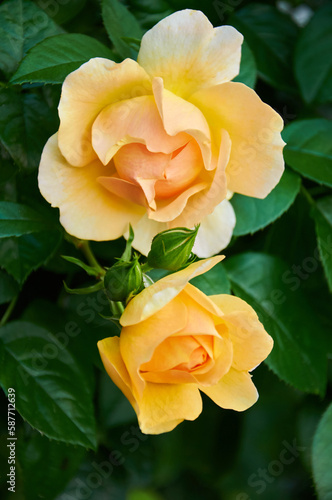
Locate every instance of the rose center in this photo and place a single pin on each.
(159, 175)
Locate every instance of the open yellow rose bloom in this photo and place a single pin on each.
(175, 342)
(159, 142)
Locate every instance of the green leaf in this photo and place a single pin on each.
(248, 68)
(26, 122)
(253, 214)
(62, 462)
(8, 288)
(214, 282)
(322, 456)
(22, 25)
(120, 23)
(313, 63)
(17, 219)
(299, 353)
(271, 36)
(86, 290)
(53, 59)
(91, 271)
(323, 219)
(20, 256)
(47, 377)
(309, 149)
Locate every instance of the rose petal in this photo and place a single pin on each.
(256, 162)
(235, 391)
(156, 296)
(133, 120)
(164, 406)
(87, 210)
(109, 350)
(251, 343)
(138, 342)
(179, 115)
(85, 92)
(215, 231)
(188, 53)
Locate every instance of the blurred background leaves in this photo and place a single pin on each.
(77, 434)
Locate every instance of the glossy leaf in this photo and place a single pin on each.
(271, 36)
(47, 376)
(8, 288)
(20, 256)
(248, 68)
(322, 456)
(120, 23)
(299, 352)
(214, 282)
(253, 214)
(309, 149)
(313, 63)
(53, 59)
(26, 122)
(17, 219)
(22, 25)
(323, 218)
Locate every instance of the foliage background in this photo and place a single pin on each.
(77, 435)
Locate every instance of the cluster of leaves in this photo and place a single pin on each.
(279, 261)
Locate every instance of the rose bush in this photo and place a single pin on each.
(159, 142)
(175, 342)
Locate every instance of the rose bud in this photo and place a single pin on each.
(124, 279)
(171, 249)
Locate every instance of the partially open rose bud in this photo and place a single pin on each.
(171, 249)
(123, 279)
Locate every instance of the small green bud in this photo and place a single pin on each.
(124, 279)
(171, 249)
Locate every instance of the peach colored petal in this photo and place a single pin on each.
(109, 350)
(169, 209)
(205, 201)
(200, 298)
(124, 189)
(139, 341)
(200, 312)
(132, 120)
(234, 391)
(256, 162)
(179, 115)
(164, 406)
(188, 53)
(87, 210)
(250, 341)
(221, 366)
(171, 352)
(156, 296)
(215, 231)
(85, 92)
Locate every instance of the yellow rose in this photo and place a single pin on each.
(175, 342)
(159, 142)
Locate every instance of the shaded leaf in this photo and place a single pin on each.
(120, 23)
(214, 282)
(17, 219)
(248, 68)
(53, 59)
(253, 214)
(8, 288)
(322, 456)
(47, 376)
(309, 149)
(22, 25)
(323, 218)
(313, 63)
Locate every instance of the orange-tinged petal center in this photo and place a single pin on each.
(159, 175)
